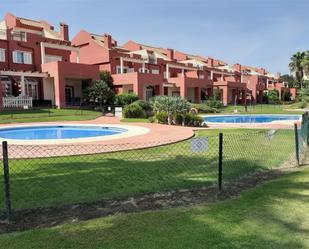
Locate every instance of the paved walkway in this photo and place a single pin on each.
(158, 135)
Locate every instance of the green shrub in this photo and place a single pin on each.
(193, 120)
(273, 98)
(214, 103)
(302, 104)
(286, 96)
(203, 108)
(152, 119)
(125, 99)
(161, 117)
(133, 111)
(147, 106)
(178, 119)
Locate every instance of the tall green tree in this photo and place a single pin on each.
(107, 78)
(305, 63)
(99, 92)
(296, 66)
(289, 79)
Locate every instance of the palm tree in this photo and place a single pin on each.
(296, 66)
(305, 63)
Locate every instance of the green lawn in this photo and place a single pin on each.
(274, 215)
(43, 115)
(54, 181)
(261, 109)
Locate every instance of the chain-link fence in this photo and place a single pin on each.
(48, 176)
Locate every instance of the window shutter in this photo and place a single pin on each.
(27, 58)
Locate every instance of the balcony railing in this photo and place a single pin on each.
(131, 70)
(3, 34)
(17, 102)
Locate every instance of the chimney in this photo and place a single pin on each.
(108, 41)
(64, 31)
(170, 53)
(210, 62)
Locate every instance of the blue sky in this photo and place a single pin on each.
(258, 33)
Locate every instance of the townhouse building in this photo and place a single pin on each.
(35, 63)
(43, 65)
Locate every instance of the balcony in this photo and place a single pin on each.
(230, 84)
(190, 79)
(3, 35)
(132, 77)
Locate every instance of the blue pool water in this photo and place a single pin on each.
(249, 118)
(58, 132)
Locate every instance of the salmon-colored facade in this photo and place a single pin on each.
(37, 61)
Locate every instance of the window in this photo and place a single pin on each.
(141, 70)
(22, 57)
(51, 58)
(149, 93)
(155, 71)
(2, 55)
(19, 36)
(118, 70)
(152, 59)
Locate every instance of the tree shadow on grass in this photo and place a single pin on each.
(66, 180)
(266, 217)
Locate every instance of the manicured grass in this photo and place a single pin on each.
(274, 215)
(137, 120)
(261, 109)
(55, 181)
(42, 115)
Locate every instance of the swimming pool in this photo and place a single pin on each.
(42, 134)
(250, 118)
(58, 132)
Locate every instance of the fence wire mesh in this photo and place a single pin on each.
(255, 151)
(47, 176)
(50, 179)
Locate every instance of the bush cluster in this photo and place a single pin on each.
(125, 99)
(203, 108)
(133, 110)
(189, 119)
(214, 103)
(138, 109)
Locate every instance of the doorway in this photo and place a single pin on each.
(69, 95)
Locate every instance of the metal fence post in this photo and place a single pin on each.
(296, 143)
(220, 161)
(6, 175)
